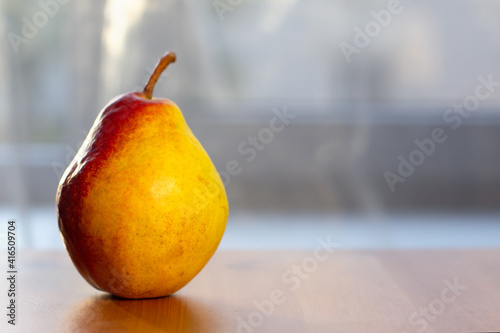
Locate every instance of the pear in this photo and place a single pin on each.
(141, 208)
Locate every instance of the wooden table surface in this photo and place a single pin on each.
(269, 291)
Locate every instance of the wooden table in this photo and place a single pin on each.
(342, 291)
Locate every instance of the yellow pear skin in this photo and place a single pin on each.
(141, 208)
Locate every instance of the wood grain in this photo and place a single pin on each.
(362, 291)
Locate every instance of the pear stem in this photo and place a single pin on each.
(167, 58)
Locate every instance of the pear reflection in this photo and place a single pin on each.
(168, 314)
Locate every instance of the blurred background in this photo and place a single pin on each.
(351, 84)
